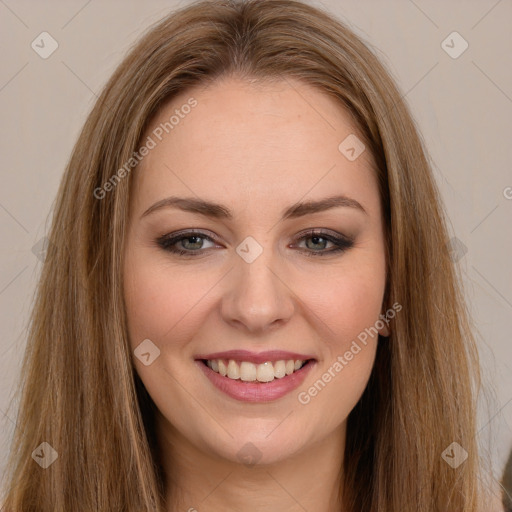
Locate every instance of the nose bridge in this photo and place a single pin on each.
(257, 295)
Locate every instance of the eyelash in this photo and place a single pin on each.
(341, 243)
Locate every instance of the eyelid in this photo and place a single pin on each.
(323, 232)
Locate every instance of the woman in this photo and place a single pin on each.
(192, 347)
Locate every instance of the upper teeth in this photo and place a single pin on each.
(246, 371)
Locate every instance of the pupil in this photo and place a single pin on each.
(315, 239)
(195, 237)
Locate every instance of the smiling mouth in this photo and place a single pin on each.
(246, 371)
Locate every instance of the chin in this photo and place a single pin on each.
(260, 448)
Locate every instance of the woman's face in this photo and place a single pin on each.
(254, 288)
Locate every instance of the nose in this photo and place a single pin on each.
(258, 297)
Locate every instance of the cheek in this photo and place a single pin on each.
(348, 353)
(354, 307)
(347, 301)
(158, 299)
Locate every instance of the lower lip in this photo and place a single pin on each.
(257, 391)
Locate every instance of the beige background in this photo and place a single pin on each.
(463, 107)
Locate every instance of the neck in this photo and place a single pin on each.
(310, 479)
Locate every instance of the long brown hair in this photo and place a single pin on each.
(79, 390)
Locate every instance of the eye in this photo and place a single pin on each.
(192, 243)
(321, 238)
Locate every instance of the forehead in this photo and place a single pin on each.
(266, 142)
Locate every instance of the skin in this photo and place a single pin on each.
(256, 148)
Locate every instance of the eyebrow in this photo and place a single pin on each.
(219, 211)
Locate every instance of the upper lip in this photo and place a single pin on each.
(255, 357)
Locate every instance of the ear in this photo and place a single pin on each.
(385, 331)
(382, 326)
